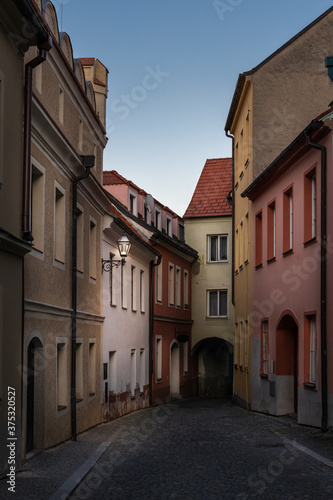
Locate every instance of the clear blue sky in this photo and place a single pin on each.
(173, 66)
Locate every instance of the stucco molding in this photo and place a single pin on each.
(34, 306)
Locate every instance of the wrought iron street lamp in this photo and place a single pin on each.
(124, 246)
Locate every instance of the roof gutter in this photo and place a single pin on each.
(232, 221)
(323, 279)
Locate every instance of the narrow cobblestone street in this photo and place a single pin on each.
(189, 449)
(201, 449)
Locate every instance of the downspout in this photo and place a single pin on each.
(26, 198)
(151, 326)
(88, 163)
(323, 275)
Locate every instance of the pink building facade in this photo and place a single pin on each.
(292, 347)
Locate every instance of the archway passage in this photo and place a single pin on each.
(174, 371)
(35, 365)
(215, 367)
(287, 364)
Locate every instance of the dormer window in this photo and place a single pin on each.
(132, 204)
(169, 226)
(158, 219)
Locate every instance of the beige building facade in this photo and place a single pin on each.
(62, 351)
(208, 229)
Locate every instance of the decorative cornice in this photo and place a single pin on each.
(50, 309)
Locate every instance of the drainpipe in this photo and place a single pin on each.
(151, 325)
(26, 209)
(323, 258)
(88, 162)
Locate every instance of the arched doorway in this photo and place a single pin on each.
(35, 414)
(287, 365)
(174, 371)
(215, 367)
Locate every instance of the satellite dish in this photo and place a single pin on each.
(149, 202)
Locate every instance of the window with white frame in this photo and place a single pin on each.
(59, 224)
(185, 289)
(218, 248)
(171, 285)
(133, 288)
(142, 291)
(112, 371)
(178, 287)
(313, 350)
(158, 359)
(217, 303)
(123, 288)
(159, 282)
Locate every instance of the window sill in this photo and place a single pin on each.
(246, 262)
(60, 408)
(310, 386)
(236, 272)
(241, 367)
(241, 267)
(258, 266)
(288, 252)
(185, 373)
(92, 394)
(158, 380)
(264, 376)
(271, 260)
(310, 242)
(78, 400)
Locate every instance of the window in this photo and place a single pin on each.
(37, 207)
(123, 288)
(142, 369)
(133, 371)
(61, 374)
(157, 219)
(92, 249)
(271, 232)
(92, 367)
(171, 285)
(246, 238)
(185, 289)
(185, 358)
(217, 303)
(59, 224)
(181, 232)
(133, 204)
(112, 372)
(133, 289)
(288, 220)
(79, 370)
(169, 226)
(258, 240)
(310, 206)
(236, 347)
(142, 291)
(264, 348)
(159, 283)
(61, 105)
(241, 244)
(80, 239)
(178, 289)
(218, 248)
(158, 358)
(310, 349)
(237, 249)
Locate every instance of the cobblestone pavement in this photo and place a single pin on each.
(190, 449)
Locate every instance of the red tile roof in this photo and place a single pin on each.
(210, 196)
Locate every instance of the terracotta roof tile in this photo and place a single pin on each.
(210, 196)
